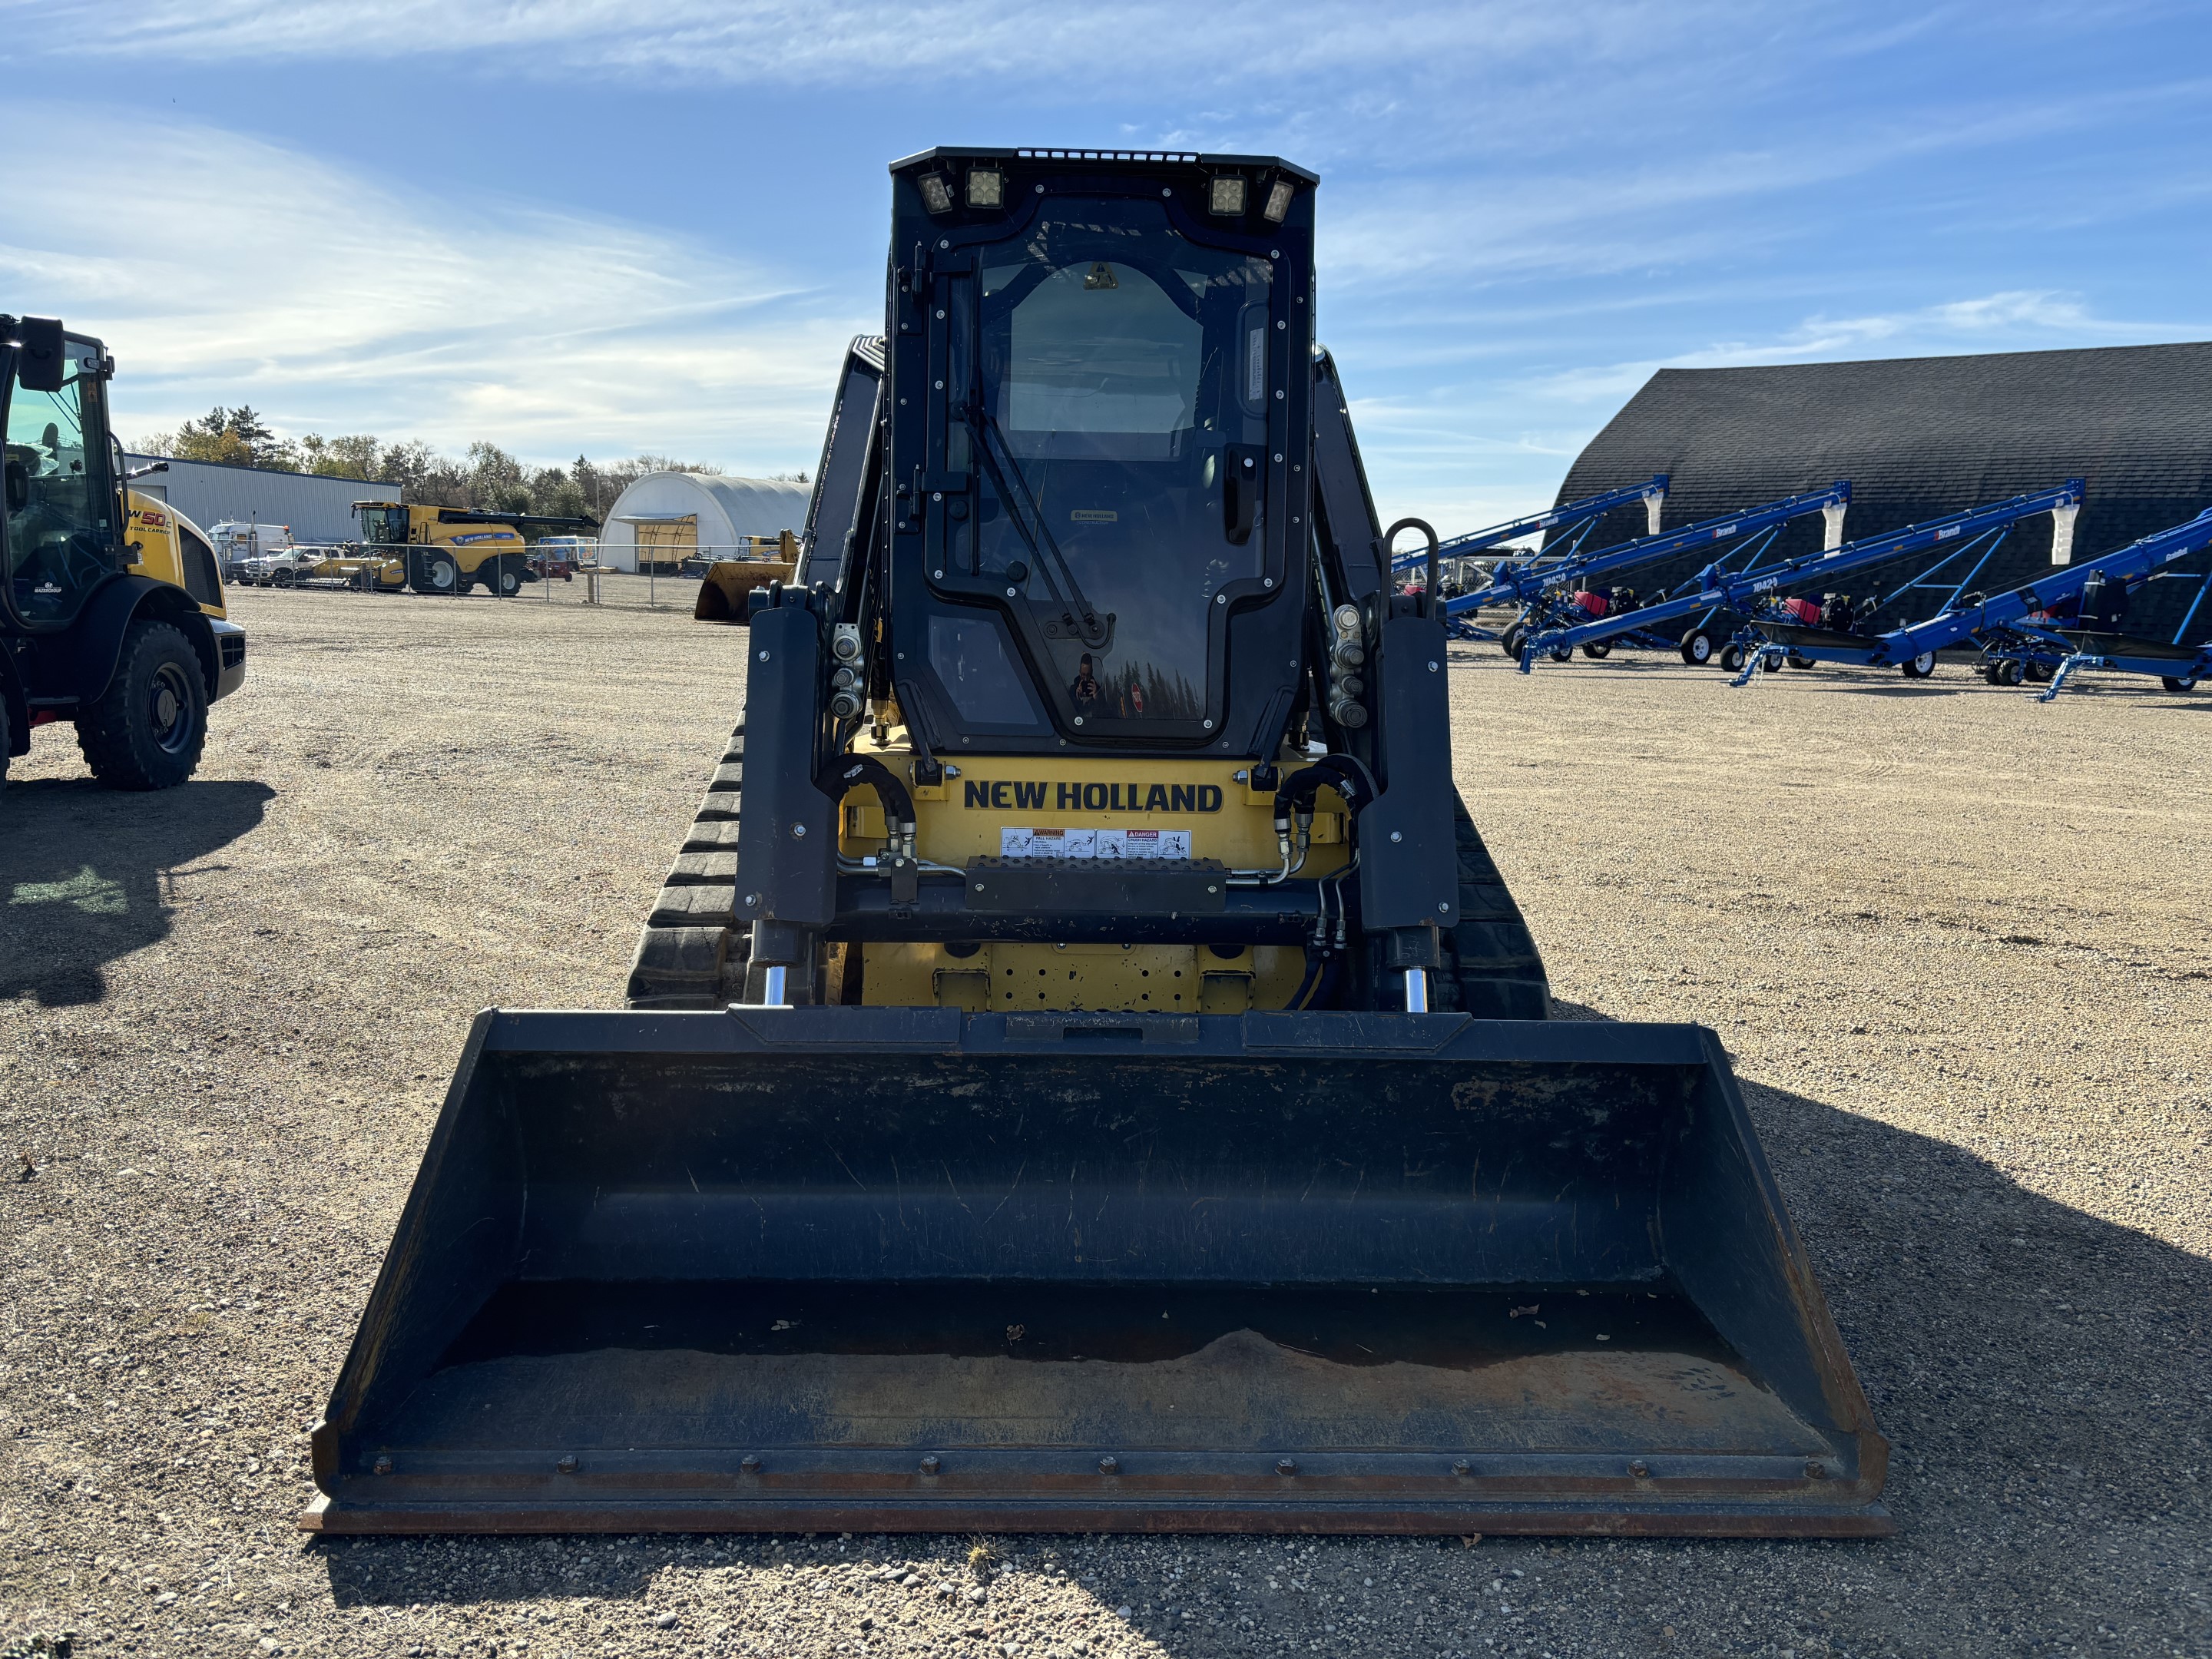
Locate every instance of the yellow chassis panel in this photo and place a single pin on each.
(964, 817)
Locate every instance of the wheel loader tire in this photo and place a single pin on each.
(1697, 647)
(436, 573)
(1598, 650)
(146, 731)
(2178, 684)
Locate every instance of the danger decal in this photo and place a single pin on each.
(1020, 843)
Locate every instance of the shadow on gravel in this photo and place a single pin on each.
(84, 874)
(2042, 1374)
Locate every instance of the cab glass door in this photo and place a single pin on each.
(60, 542)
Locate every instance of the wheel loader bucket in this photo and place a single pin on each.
(840, 1269)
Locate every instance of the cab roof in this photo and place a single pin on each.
(1115, 158)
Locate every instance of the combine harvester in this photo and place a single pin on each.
(1751, 593)
(1121, 1096)
(2019, 632)
(1552, 597)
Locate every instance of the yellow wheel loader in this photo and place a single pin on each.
(442, 549)
(1084, 1072)
(111, 604)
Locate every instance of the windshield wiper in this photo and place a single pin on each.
(1091, 631)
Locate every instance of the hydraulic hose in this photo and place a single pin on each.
(851, 771)
(1294, 806)
(1348, 776)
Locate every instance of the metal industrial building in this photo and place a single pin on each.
(317, 507)
(1919, 437)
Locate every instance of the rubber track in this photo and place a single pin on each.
(1496, 971)
(690, 943)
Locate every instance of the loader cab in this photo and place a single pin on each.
(1098, 473)
(61, 514)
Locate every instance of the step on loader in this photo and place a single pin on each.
(1085, 1071)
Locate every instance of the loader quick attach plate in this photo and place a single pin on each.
(912, 1270)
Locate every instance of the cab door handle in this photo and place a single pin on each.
(1244, 479)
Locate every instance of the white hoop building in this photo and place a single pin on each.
(665, 517)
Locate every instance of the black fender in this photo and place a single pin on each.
(94, 642)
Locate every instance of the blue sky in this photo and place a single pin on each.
(581, 225)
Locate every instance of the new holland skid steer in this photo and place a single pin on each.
(1097, 1079)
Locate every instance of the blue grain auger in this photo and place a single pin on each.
(1750, 593)
(1579, 518)
(1568, 593)
(2071, 619)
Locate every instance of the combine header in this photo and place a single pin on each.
(1125, 1100)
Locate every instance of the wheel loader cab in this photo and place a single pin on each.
(111, 605)
(61, 495)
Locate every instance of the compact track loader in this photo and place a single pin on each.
(1085, 1071)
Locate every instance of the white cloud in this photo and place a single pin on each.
(221, 268)
(2022, 319)
(861, 42)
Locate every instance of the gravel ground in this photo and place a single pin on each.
(1954, 940)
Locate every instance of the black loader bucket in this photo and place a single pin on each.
(840, 1269)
